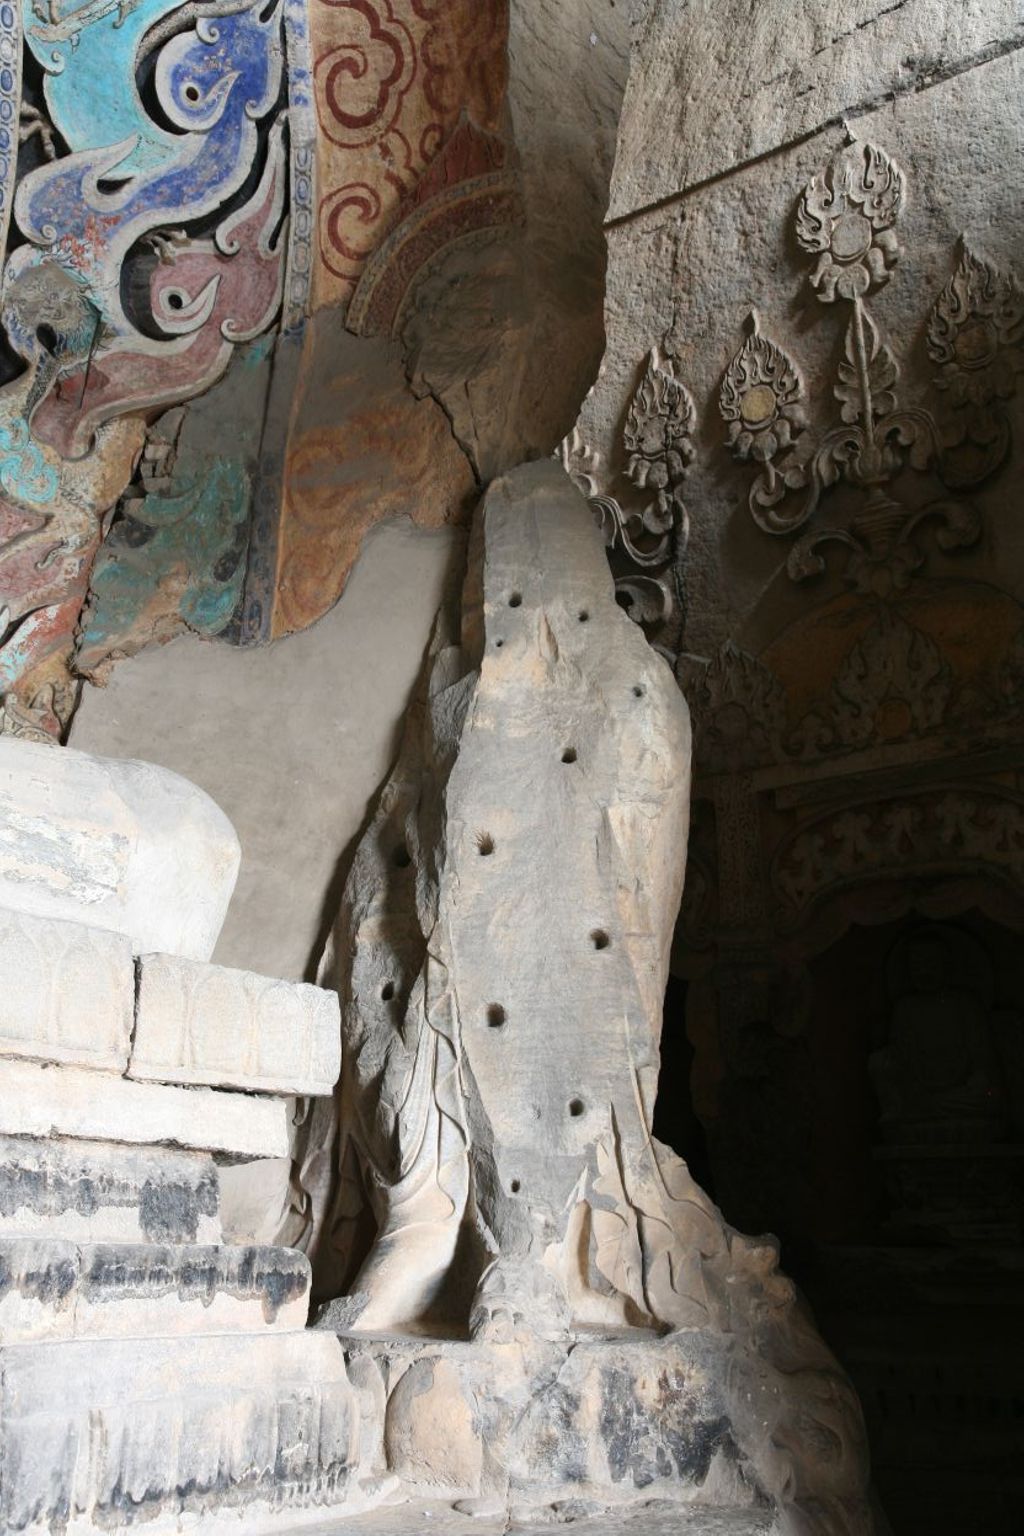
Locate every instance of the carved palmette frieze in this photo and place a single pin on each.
(69, 992)
(761, 400)
(209, 1024)
(893, 684)
(898, 838)
(847, 220)
(656, 436)
(846, 217)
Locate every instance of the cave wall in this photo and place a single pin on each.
(805, 448)
(805, 445)
(291, 740)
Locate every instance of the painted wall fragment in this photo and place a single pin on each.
(113, 310)
(176, 558)
(196, 177)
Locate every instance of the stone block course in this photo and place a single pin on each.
(66, 1101)
(54, 1289)
(91, 1191)
(68, 992)
(208, 1024)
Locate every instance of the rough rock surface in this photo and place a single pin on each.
(715, 83)
(118, 845)
(501, 956)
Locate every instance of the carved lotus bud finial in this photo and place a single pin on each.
(656, 435)
(974, 331)
(846, 216)
(760, 398)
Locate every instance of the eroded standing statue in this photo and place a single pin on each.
(501, 955)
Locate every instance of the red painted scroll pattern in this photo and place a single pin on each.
(392, 78)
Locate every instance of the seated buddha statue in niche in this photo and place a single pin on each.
(937, 1078)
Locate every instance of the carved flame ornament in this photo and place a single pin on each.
(647, 538)
(847, 219)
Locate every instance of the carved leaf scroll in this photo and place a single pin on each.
(847, 218)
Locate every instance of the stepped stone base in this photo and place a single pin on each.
(100, 1192)
(241, 1434)
(54, 1289)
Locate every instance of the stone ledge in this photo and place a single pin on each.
(98, 1192)
(67, 1101)
(244, 1429)
(68, 992)
(53, 1289)
(226, 1028)
(649, 1519)
(125, 846)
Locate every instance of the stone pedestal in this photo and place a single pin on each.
(122, 846)
(150, 1374)
(531, 1423)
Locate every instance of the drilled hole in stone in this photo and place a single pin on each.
(569, 755)
(600, 939)
(584, 616)
(516, 600)
(495, 1015)
(402, 857)
(638, 692)
(484, 844)
(515, 1186)
(498, 644)
(387, 991)
(576, 1107)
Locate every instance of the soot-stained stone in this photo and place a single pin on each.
(101, 1192)
(664, 1435)
(51, 1288)
(110, 1433)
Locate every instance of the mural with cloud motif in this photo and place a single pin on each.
(182, 185)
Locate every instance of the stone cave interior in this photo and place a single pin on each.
(511, 767)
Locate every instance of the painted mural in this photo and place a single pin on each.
(391, 82)
(145, 247)
(182, 185)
